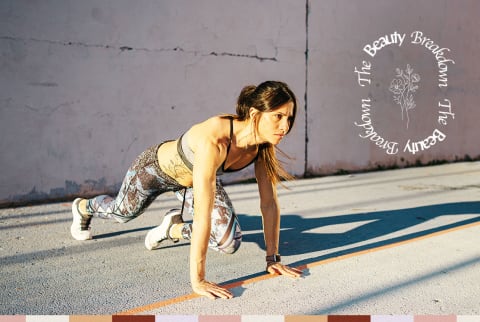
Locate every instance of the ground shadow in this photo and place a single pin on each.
(297, 236)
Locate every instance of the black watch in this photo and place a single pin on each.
(275, 258)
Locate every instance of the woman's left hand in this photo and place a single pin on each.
(279, 268)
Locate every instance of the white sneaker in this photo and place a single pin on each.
(80, 228)
(158, 234)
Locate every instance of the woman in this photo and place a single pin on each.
(190, 166)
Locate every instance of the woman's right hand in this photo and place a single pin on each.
(211, 290)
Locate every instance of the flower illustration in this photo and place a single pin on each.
(402, 87)
(397, 86)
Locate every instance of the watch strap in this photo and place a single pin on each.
(275, 258)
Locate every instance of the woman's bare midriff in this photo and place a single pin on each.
(171, 163)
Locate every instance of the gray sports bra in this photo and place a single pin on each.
(187, 154)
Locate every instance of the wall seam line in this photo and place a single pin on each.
(307, 12)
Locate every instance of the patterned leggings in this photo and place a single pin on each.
(145, 181)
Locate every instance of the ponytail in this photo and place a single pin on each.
(244, 102)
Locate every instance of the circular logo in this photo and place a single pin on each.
(400, 90)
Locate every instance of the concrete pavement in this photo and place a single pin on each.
(391, 242)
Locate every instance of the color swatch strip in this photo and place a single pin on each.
(239, 318)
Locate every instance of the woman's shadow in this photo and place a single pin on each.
(298, 237)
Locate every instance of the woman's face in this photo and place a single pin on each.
(274, 125)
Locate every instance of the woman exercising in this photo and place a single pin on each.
(190, 166)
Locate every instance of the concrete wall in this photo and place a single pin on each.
(85, 86)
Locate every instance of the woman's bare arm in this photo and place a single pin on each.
(271, 220)
(209, 155)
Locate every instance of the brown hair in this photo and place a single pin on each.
(267, 97)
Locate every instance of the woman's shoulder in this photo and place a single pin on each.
(221, 119)
(215, 124)
(213, 129)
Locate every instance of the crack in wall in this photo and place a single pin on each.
(124, 48)
(49, 109)
(245, 55)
